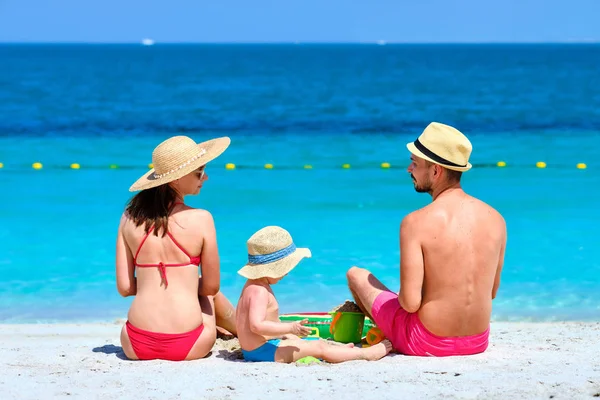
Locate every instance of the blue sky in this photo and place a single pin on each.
(299, 20)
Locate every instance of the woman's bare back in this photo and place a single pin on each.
(158, 307)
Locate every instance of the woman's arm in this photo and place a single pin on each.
(209, 258)
(126, 281)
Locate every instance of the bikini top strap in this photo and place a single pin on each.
(142, 243)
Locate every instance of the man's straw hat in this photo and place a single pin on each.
(177, 157)
(271, 254)
(443, 145)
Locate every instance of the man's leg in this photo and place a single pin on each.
(364, 288)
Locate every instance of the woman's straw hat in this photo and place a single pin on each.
(271, 254)
(443, 145)
(177, 157)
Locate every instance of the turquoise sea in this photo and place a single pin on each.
(292, 106)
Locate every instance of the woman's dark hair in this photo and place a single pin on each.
(151, 207)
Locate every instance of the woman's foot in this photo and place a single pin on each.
(224, 334)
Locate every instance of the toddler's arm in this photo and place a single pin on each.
(259, 324)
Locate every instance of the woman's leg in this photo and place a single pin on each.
(292, 350)
(126, 344)
(224, 312)
(207, 338)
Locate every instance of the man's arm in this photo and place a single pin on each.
(500, 265)
(412, 267)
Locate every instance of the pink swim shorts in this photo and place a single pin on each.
(409, 336)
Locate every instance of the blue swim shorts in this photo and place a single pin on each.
(266, 352)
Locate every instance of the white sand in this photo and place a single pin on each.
(524, 360)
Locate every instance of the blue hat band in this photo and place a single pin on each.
(271, 257)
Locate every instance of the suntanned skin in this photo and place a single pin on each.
(451, 258)
(258, 321)
(188, 301)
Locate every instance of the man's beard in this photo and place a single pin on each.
(423, 187)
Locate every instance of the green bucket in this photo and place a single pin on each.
(347, 327)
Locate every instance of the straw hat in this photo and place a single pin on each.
(177, 157)
(271, 254)
(443, 145)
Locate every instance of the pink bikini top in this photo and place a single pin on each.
(162, 266)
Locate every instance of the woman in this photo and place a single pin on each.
(161, 242)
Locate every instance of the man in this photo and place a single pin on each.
(451, 257)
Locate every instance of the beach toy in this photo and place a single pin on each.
(321, 321)
(347, 327)
(374, 336)
(309, 360)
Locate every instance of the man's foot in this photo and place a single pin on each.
(377, 351)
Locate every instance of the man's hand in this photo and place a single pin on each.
(298, 328)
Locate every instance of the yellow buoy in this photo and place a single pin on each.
(1, 165)
(150, 166)
(113, 166)
(268, 166)
(37, 165)
(75, 166)
(501, 164)
(385, 165)
(540, 164)
(308, 166)
(581, 166)
(346, 166)
(230, 166)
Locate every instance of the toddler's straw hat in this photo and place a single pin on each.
(271, 254)
(443, 145)
(177, 157)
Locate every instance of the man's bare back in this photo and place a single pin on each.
(462, 241)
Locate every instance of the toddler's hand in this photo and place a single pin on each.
(299, 329)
